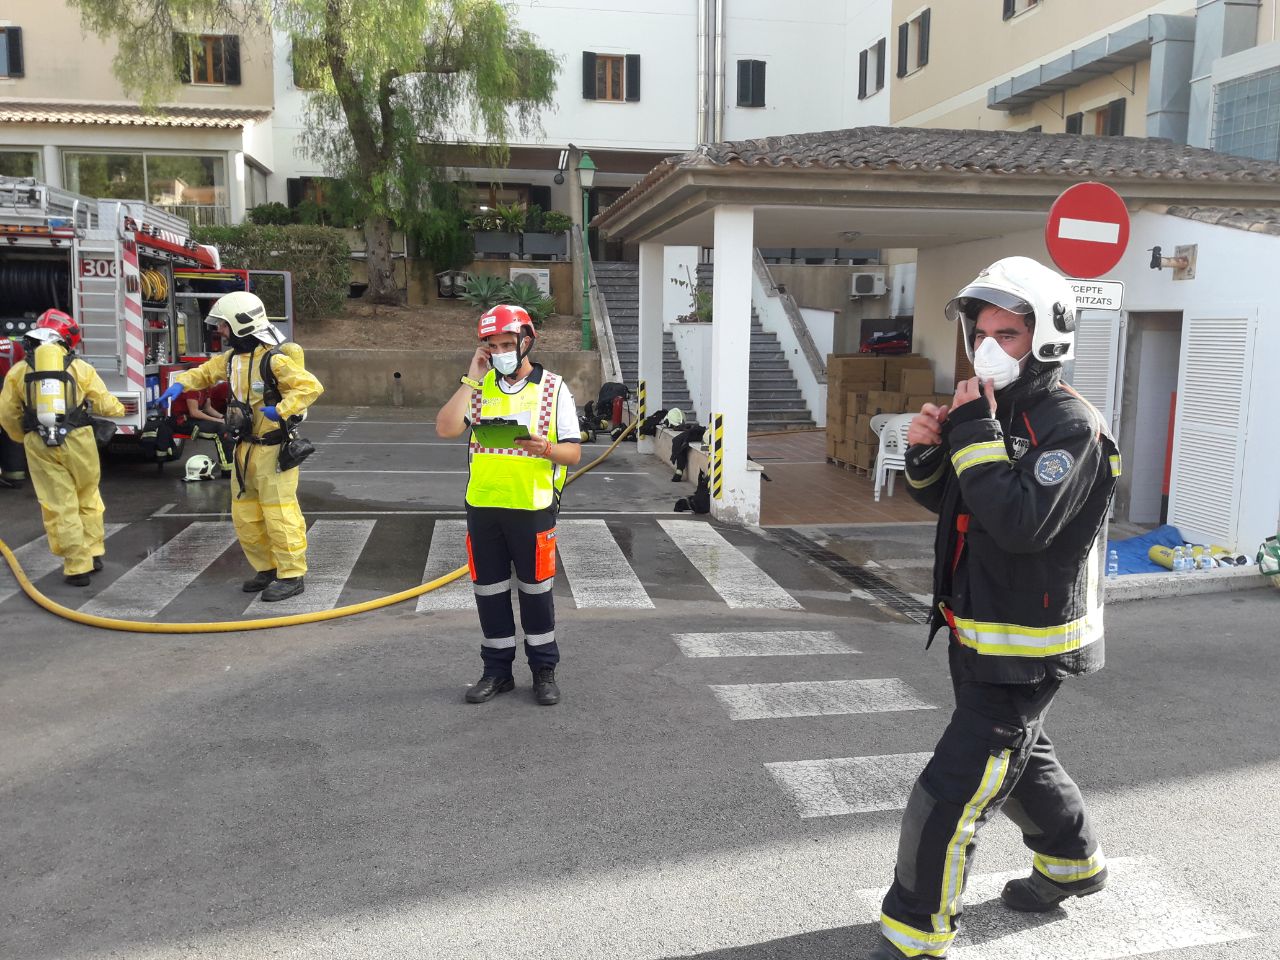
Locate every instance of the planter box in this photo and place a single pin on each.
(495, 241)
(544, 244)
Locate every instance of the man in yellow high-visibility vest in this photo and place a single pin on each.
(513, 495)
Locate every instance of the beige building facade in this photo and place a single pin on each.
(205, 154)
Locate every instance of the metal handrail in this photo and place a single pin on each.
(602, 329)
(801, 329)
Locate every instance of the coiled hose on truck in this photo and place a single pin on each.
(232, 626)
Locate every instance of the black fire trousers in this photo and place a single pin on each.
(13, 459)
(993, 755)
(497, 540)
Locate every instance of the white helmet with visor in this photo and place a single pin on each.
(1023, 286)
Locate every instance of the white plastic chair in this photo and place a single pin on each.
(893, 448)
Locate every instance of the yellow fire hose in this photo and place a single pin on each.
(232, 626)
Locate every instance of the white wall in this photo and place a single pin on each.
(822, 328)
(287, 159)
(678, 263)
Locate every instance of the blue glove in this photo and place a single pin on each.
(270, 414)
(175, 390)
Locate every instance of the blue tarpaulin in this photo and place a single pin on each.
(1132, 552)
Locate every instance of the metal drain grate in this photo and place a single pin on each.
(881, 590)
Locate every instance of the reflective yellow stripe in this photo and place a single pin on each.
(1061, 870)
(930, 480)
(913, 942)
(989, 451)
(1115, 464)
(1012, 640)
(953, 866)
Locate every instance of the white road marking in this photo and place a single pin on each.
(782, 643)
(1092, 231)
(816, 698)
(843, 785)
(448, 551)
(155, 582)
(738, 581)
(36, 561)
(599, 575)
(333, 547)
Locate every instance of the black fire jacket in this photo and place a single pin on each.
(1022, 502)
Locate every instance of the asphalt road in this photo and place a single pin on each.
(722, 779)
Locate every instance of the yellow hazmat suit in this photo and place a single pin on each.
(267, 518)
(65, 477)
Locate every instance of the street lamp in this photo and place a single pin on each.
(586, 177)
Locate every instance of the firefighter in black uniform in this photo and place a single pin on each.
(1020, 470)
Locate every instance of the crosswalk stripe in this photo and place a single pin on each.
(738, 581)
(816, 698)
(842, 785)
(36, 561)
(333, 547)
(781, 643)
(155, 582)
(448, 551)
(599, 575)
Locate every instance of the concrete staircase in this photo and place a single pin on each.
(620, 286)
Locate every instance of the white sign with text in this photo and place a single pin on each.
(1098, 294)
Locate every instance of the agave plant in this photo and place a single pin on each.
(484, 291)
(535, 303)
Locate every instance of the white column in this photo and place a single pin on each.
(731, 360)
(235, 186)
(52, 164)
(649, 332)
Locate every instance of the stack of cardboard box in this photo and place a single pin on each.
(859, 387)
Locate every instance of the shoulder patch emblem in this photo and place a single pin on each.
(1053, 466)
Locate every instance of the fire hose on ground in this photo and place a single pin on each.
(232, 626)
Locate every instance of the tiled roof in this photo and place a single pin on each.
(1255, 219)
(128, 114)
(1070, 157)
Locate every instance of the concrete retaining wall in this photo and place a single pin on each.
(423, 378)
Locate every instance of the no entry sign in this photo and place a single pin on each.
(1088, 230)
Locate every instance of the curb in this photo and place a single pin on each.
(1148, 586)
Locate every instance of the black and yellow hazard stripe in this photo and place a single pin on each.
(717, 456)
(643, 394)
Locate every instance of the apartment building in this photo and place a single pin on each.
(65, 119)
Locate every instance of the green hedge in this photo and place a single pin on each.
(318, 257)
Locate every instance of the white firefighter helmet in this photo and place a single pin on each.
(1024, 286)
(199, 467)
(246, 315)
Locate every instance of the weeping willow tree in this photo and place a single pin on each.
(395, 82)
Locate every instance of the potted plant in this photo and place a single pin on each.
(545, 235)
(497, 230)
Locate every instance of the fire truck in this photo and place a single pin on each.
(132, 277)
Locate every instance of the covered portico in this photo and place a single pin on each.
(889, 188)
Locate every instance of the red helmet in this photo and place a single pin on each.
(62, 324)
(505, 318)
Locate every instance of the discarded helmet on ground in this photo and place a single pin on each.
(199, 467)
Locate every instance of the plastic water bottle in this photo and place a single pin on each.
(1205, 560)
(1179, 560)
(1113, 564)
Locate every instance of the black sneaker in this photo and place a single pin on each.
(77, 579)
(260, 581)
(1038, 894)
(486, 688)
(282, 589)
(545, 690)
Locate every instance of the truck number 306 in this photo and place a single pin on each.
(99, 268)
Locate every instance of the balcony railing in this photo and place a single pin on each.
(199, 215)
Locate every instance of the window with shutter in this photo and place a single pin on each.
(904, 41)
(1075, 123)
(913, 43)
(11, 52)
(751, 83)
(922, 37)
(862, 75)
(207, 59)
(588, 75)
(871, 69)
(881, 48)
(1214, 382)
(632, 85)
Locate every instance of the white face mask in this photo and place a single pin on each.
(506, 363)
(990, 362)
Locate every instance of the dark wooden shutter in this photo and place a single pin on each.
(924, 39)
(1010, 8)
(1075, 123)
(632, 83)
(862, 75)
(882, 48)
(231, 60)
(744, 83)
(588, 75)
(13, 37)
(1115, 118)
(757, 84)
(182, 57)
(904, 39)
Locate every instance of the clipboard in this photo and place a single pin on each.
(496, 433)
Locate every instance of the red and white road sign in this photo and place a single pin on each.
(1088, 230)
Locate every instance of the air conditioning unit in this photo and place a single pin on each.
(866, 283)
(538, 276)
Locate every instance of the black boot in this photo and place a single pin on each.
(545, 690)
(261, 580)
(282, 589)
(486, 688)
(77, 579)
(1038, 894)
(97, 564)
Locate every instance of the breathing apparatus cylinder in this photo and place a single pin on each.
(51, 394)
